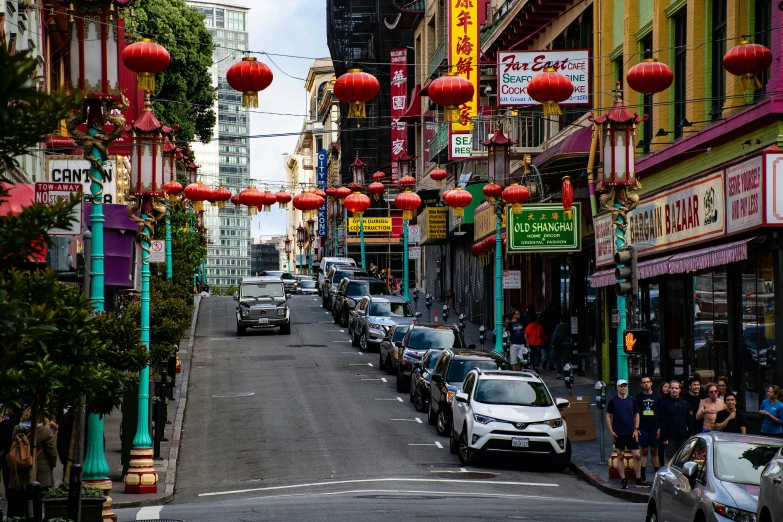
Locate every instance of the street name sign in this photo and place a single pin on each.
(544, 228)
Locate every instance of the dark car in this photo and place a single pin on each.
(389, 347)
(334, 275)
(262, 302)
(421, 377)
(348, 293)
(289, 279)
(419, 339)
(447, 377)
(373, 316)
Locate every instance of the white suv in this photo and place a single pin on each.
(507, 411)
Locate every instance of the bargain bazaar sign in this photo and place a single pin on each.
(516, 70)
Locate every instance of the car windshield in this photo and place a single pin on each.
(517, 393)
(742, 462)
(425, 338)
(358, 289)
(459, 368)
(433, 359)
(330, 263)
(262, 290)
(391, 310)
(340, 274)
(399, 332)
(307, 284)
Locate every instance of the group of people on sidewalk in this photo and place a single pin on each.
(546, 338)
(666, 419)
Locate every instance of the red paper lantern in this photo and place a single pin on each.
(252, 198)
(221, 195)
(249, 77)
(451, 91)
(269, 200)
(283, 198)
(331, 192)
(408, 181)
(568, 196)
(376, 189)
(438, 175)
(458, 199)
(236, 201)
(306, 202)
(550, 88)
(378, 176)
(407, 202)
(355, 187)
(173, 189)
(356, 88)
(342, 193)
(493, 192)
(357, 203)
(198, 193)
(516, 195)
(746, 61)
(146, 59)
(475, 250)
(650, 76)
(320, 193)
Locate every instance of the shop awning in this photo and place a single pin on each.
(701, 259)
(575, 145)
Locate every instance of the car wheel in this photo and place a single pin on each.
(454, 442)
(286, 329)
(354, 340)
(389, 365)
(334, 318)
(363, 342)
(431, 416)
(381, 362)
(418, 400)
(343, 319)
(442, 424)
(652, 513)
(562, 461)
(466, 454)
(241, 330)
(400, 384)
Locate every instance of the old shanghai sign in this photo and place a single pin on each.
(544, 228)
(517, 68)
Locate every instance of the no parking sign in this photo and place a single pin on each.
(157, 251)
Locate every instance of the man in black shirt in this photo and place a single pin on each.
(649, 432)
(675, 420)
(693, 396)
(730, 420)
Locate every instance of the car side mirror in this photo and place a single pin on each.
(417, 365)
(236, 296)
(562, 403)
(398, 344)
(437, 378)
(690, 469)
(288, 296)
(461, 397)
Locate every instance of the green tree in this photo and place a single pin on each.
(185, 88)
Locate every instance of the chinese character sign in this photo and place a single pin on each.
(399, 103)
(464, 46)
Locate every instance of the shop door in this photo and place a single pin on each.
(709, 344)
(675, 329)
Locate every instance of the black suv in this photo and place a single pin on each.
(419, 339)
(348, 293)
(334, 275)
(447, 377)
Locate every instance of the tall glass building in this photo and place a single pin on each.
(226, 160)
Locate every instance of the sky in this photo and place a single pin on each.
(291, 27)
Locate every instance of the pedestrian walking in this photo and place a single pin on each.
(622, 416)
(536, 340)
(772, 413)
(709, 408)
(675, 420)
(730, 420)
(7, 426)
(561, 344)
(649, 431)
(517, 340)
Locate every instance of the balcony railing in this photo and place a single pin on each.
(440, 141)
(528, 132)
(438, 57)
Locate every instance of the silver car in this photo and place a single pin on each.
(373, 316)
(771, 493)
(713, 477)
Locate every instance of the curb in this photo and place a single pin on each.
(171, 470)
(593, 478)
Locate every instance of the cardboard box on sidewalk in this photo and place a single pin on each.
(578, 403)
(580, 424)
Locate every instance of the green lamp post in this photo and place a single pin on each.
(300, 242)
(310, 240)
(406, 201)
(357, 170)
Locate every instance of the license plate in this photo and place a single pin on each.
(519, 442)
(263, 321)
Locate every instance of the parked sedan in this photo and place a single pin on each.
(289, 279)
(334, 275)
(712, 477)
(389, 348)
(307, 286)
(421, 377)
(771, 491)
(419, 339)
(349, 291)
(373, 316)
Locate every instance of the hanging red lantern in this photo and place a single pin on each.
(146, 59)
(407, 181)
(269, 200)
(451, 91)
(493, 192)
(237, 203)
(252, 198)
(650, 76)
(198, 193)
(475, 250)
(458, 199)
(356, 88)
(376, 189)
(283, 198)
(331, 192)
(221, 195)
(249, 77)
(550, 88)
(357, 203)
(568, 196)
(439, 175)
(378, 176)
(342, 193)
(407, 202)
(173, 189)
(746, 61)
(320, 193)
(516, 195)
(306, 202)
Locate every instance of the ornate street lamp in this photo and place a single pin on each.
(172, 188)
(405, 164)
(311, 239)
(300, 242)
(357, 169)
(618, 181)
(287, 245)
(357, 203)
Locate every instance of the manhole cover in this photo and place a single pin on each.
(461, 475)
(234, 394)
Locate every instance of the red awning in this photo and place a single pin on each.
(575, 145)
(20, 196)
(413, 114)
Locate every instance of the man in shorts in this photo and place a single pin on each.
(516, 331)
(649, 433)
(622, 416)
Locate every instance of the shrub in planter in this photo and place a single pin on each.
(56, 503)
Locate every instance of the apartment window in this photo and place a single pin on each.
(718, 50)
(680, 49)
(619, 73)
(235, 21)
(645, 46)
(207, 12)
(762, 29)
(220, 18)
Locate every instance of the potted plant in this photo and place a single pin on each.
(56, 503)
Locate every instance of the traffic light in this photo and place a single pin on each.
(636, 341)
(626, 273)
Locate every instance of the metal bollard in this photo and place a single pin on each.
(75, 493)
(34, 503)
(600, 402)
(163, 410)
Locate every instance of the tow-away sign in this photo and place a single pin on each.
(49, 193)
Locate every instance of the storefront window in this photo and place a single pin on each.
(710, 334)
(651, 318)
(675, 327)
(757, 338)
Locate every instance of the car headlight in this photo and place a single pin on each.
(409, 359)
(377, 326)
(245, 312)
(483, 419)
(555, 423)
(281, 311)
(733, 513)
(449, 396)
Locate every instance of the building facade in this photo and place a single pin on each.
(265, 255)
(226, 159)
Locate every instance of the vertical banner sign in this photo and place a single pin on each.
(464, 46)
(321, 180)
(399, 103)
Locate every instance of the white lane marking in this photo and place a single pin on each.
(384, 379)
(421, 444)
(386, 399)
(149, 513)
(361, 364)
(418, 420)
(224, 338)
(407, 420)
(438, 444)
(366, 481)
(341, 341)
(463, 469)
(343, 331)
(381, 379)
(326, 322)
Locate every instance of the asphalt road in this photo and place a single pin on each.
(305, 427)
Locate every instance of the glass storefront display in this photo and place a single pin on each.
(709, 346)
